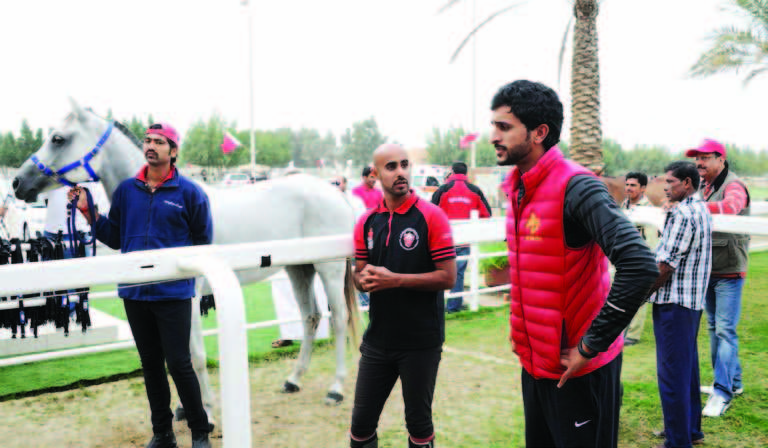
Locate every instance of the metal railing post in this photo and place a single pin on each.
(233, 348)
(474, 275)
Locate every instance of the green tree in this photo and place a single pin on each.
(273, 147)
(443, 147)
(26, 145)
(738, 48)
(586, 129)
(8, 149)
(359, 142)
(308, 146)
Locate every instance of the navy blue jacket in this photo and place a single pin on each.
(177, 214)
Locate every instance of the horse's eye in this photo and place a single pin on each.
(57, 140)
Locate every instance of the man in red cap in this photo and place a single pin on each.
(158, 209)
(725, 194)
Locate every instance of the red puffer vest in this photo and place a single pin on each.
(556, 291)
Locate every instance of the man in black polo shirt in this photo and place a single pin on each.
(404, 256)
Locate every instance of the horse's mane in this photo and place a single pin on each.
(127, 132)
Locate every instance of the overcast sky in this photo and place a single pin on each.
(327, 63)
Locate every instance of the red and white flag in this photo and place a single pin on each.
(467, 140)
(230, 143)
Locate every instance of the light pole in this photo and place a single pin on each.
(473, 147)
(249, 14)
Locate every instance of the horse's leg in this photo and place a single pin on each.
(302, 277)
(199, 357)
(332, 276)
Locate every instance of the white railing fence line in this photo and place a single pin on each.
(217, 264)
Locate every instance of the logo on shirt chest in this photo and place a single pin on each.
(409, 239)
(533, 225)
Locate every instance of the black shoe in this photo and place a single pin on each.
(663, 435)
(412, 444)
(163, 440)
(200, 440)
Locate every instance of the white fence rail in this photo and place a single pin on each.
(217, 264)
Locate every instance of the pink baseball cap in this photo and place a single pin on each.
(166, 130)
(707, 146)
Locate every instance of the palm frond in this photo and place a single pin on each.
(732, 49)
(562, 49)
(482, 24)
(447, 6)
(754, 73)
(754, 10)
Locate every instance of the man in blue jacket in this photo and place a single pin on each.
(158, 209)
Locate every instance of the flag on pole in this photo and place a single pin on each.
(230, 143)
(467, 140)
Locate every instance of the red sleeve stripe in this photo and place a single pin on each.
(445, 251)
(444, 257)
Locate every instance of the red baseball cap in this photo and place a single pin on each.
(707, 146)
(166, 130)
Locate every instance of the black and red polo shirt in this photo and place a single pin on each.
(409, 241)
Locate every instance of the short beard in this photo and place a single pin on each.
(522, 150)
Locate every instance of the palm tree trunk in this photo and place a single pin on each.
(586, 131)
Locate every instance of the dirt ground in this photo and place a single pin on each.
(471, 393)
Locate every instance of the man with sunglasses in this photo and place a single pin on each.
(159, 208)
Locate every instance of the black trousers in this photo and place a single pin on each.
(379, 370)
(161, 330)
(584, 413)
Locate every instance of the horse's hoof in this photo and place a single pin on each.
(290, 388)
(333, 398)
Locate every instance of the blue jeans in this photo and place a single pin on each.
(455, 303)
(723, 307)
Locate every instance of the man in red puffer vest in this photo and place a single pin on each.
(566, 319)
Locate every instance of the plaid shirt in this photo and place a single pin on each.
(686, 245)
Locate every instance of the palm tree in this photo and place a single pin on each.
(734, 48)
(586, 130)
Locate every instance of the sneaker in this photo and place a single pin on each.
(663, 435)
(716, 406)
(709, 389)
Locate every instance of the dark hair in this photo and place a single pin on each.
(171, 143)
(459, 168)
(642, 179)
(683, 170)
(533, 104)
(367, 171)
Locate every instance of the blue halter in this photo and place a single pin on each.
(84, 162)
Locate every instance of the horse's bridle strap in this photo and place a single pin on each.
(84, 162)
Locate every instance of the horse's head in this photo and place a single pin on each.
(56, 162)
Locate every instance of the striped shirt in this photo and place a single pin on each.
(686, 245)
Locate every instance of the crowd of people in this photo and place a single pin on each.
(569, 322)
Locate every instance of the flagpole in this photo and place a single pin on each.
(250, 82)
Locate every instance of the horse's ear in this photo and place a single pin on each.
(78, 111)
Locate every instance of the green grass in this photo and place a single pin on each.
(746, 422)
(744, 425)
(758, 193)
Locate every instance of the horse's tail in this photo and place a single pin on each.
(353, 312)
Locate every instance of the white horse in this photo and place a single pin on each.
(294, 207)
